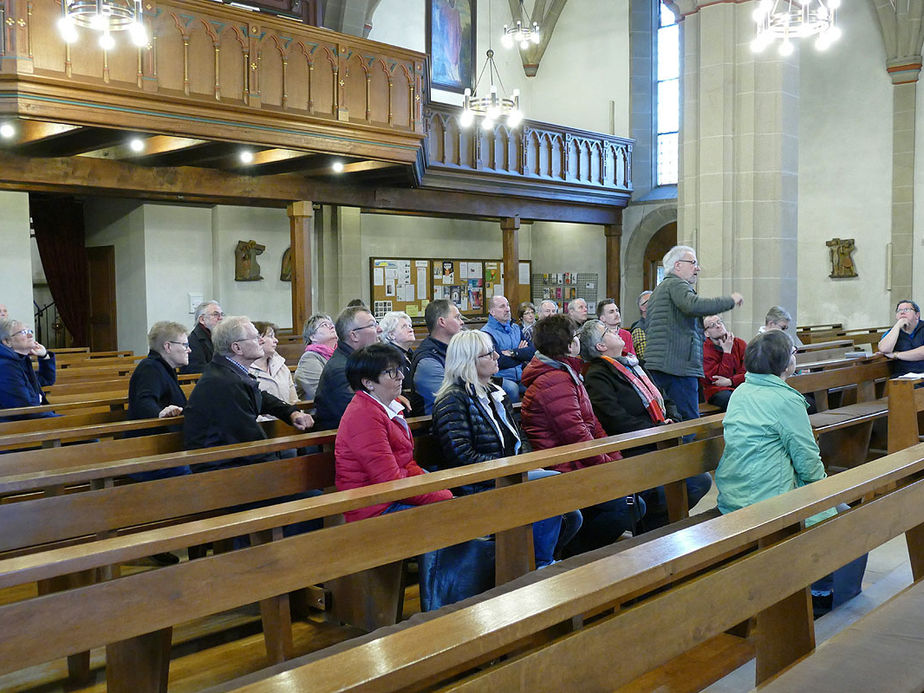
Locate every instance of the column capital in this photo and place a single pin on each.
(904, 70)
(301, 208)
(510, 223)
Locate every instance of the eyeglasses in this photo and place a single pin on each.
(692, 262)
(492, 354)
(393, 373)
(795, 351)
(257, 338)
(26, 331)
(326, 325)
(906, 310)
(372, 324)
(714, 324)
(185, 345)
(611, 330)
(216, 314)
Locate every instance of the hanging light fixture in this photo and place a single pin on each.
(792, 19)
(492, 107)
(521, 33)
(105, 17)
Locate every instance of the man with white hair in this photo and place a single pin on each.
(674, 353)
(208, 315)
(225, 403)
(546, 308)
(577, 311)
(20, 384)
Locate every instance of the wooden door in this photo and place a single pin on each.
(664, 239)
(102, 332)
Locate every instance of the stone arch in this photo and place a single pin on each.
(634, 252)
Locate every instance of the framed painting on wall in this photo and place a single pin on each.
(451, 43)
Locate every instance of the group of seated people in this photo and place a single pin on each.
(578, 379)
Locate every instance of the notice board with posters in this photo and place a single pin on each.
(400, 284)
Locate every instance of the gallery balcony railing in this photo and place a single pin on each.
(535, 158)
(219, 72)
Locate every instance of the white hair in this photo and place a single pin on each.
(389, 323)
(675, 254)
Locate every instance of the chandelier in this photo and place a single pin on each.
(492, 107)
(521, 33)
(789, 19)
(105, 17)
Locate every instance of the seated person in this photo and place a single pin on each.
(770, 449)
(625, 399)
(473, 419)
(609, 314)
(20, 384)
(154, 391)
(723, 362)
(443, 321)
(778, 318)
(272, 373)
(546, 308)
(224, 406)
(208, 315)
(512, 350)
(397, 331)
(557, 411)
(526, 314)
(320, 342)
(374, 445)
(639, 327)
(904, 342)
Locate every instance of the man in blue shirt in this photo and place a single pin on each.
(512, 349)
(904, 343)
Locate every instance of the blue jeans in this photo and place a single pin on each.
(555, 531)
(846, 582)
(682, 390)
(512, 388)
(605, 522)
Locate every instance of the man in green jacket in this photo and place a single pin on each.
(674, 353)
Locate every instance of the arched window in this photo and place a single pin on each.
(667, 97)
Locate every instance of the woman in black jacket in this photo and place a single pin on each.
(473, 420)
(625, 399)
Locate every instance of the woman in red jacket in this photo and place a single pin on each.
(556, 411)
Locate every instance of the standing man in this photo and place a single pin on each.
(356, 327)
(577, 311)
(513, 351)
(674, 354)
(609, 314)
(208, 315)
(639, 336)
(443, 322)
(723, 362)
(546, 308)
(904, 343)
(225, 403)
(20, 384)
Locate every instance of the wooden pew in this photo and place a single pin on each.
(533, 635)
(508, 511)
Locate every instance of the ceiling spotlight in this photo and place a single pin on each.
(337, 167)
(136, 144)
(246, 157)
(7, 131)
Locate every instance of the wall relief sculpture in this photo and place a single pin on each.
(841, 263)
(246, 267)
(285, 272)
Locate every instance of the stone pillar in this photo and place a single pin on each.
(301, 226)
(737, 197)
(613, 233)
(16, 259)
(510, 227)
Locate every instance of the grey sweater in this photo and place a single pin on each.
(675, 329)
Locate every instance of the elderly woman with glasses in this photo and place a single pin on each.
(272, 373)
(20, 384)
(770, 449)
(398, 332)
(625, 399)
(320, 341)
(557, 411)
(473, 419)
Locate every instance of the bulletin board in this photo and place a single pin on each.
(400, 284)
(462, 282)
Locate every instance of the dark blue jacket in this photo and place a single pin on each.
(20, 385)
(200, 350)
(334, 392)
(152, 387)
(426, 375)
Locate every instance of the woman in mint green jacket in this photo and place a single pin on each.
(770, 449)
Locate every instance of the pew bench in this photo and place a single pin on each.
(880, 652)
(536, 637)
(107, 612)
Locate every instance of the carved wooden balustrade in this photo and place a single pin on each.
(575, 163)
(219, 72)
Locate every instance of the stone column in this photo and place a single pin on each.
(737, 196)
(301, 226)
(902, 34)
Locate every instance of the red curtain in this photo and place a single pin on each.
(59, 233)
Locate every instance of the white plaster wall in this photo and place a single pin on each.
(845, 172)
(586, 61)
(917, 281)
(16, 258)
(559, 247)
(178, 259)
(270, 298)
(120, 223)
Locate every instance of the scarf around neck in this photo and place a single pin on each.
(322, 349)
(644, 388)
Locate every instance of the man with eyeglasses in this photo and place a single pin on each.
(208, 315)
(904, 343)
(723, 362)
(674, 353)
(20, 384)
(356, 327)
(224, 405)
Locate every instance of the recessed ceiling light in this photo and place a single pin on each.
(136, 144)
(246, 157)
(7, 131)
(337, 167)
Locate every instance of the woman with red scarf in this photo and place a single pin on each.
(625, 399)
